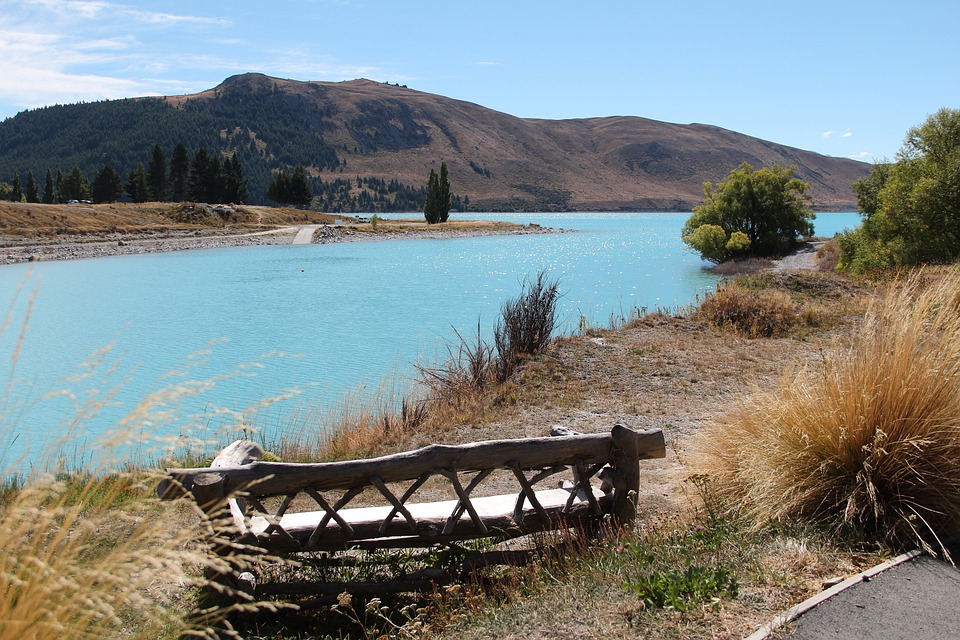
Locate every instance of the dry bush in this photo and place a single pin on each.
(526, 324)
(738, 267)
(750, 313)
(870, 440)
(828, 256)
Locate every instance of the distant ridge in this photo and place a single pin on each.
(366, 129)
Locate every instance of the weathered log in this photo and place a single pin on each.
(278, 478)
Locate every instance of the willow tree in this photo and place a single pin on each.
(751, 212)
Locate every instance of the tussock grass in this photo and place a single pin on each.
(746, 312)
(869, 440)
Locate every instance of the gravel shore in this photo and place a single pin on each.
(15, 250)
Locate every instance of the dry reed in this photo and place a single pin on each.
(870, 439)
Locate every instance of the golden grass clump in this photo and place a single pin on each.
(751, 313)
(870, 440)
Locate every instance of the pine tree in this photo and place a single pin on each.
(74, 186)
(137, 185)
(106, 186)
(300, 194)
(33, 193)
(157, 174)
(279, 189)
(179, 173)
(49, 193)
(16, 193)
(234, 188)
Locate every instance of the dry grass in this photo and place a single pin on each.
(868, 440)
(88, 550)
(24, 220)
(750, 313)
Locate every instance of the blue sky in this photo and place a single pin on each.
(843, 78)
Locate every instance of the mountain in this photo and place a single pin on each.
(390, 137)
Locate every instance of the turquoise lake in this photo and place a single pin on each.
(326, 320)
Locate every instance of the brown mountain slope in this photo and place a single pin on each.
(504, 162)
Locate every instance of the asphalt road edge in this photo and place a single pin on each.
(791, 614)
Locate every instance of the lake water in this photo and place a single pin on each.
(326, 320)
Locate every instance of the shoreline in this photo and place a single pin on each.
(118, 244)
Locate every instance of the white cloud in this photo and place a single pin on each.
(60, 51)
(828, 134)
(848, 134)
(862, 155)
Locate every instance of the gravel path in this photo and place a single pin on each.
(804, 257)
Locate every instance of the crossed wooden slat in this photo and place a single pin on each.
(527, 494)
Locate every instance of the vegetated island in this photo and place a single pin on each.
(31, 232)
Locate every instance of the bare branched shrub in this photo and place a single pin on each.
(526, 324)
(869, 440)
(750, 313)
(468, 366)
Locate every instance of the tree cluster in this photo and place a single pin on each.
(911, 207)
(204, 179)
(437, 206)
(265, 128)
(750, 213)
(291, 188)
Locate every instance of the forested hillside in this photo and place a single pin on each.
(368, 146)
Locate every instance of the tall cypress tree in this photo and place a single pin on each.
(431, 208)
(443, 193)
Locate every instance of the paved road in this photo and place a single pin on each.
(916, 600)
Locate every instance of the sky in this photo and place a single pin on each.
(844, 78)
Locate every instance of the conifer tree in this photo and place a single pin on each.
(279, 188)
(157, 174)
(300, 194)
(58, 185)
(106, 186)
(16, 193)
(234, 188)
(74, 186)
(179, 173)
(137, 185)
(431, 208)
(49, 193)
(33, 192)
(443, 195)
